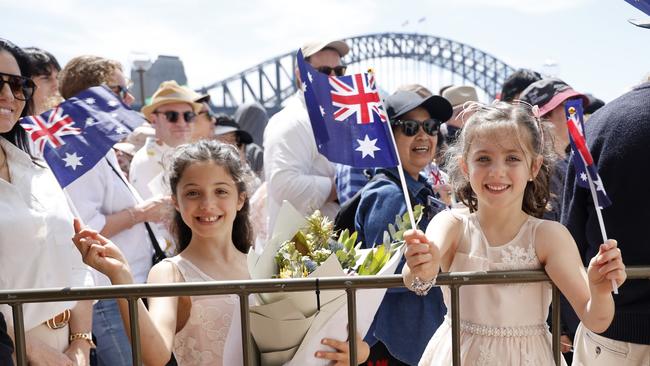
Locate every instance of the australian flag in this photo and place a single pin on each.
(347, 117)
(79, 132)
(582, 160)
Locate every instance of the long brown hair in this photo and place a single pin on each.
(227, 157)
(533, 136)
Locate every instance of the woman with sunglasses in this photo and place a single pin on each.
(35, 230)
(404, 320)
(107, 204)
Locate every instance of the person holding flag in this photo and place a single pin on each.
(295, 169)
(35, 230)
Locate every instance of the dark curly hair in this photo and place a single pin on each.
(17, 134)
(227, 157)
(532, 135)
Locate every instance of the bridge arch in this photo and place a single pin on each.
(273, 80)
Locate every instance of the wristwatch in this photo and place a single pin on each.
(88, 337)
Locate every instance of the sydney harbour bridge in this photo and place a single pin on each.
(396, 58)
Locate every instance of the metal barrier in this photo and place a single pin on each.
(16, 298)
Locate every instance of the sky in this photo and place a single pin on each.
(589, 42)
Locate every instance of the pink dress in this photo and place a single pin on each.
(203, 338)
(500, 324)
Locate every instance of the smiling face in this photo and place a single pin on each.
(499, 168)
(10, 107)
(417, 151)
(173, 133)
(208, 200)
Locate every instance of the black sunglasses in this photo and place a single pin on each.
(21, 87)
(338, 70)
(120, 90)
(411, 127)
(172, 116)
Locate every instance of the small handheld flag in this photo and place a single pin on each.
(586, 170)
(79, 132)
(348, 118)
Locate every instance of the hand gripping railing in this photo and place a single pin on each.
(16, 298)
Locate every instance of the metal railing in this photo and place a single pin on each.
(16, 298)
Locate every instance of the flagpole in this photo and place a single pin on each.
(601, 222)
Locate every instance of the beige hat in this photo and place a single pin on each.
(310, 48)
(171, 92)
(458, 95)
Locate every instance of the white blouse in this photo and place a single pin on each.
(36, 250)
(101, 192)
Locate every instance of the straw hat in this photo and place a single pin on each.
(171, 92)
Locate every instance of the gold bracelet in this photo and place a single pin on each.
(88, 337)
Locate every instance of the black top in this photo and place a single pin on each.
(6, 345)
(618, 136)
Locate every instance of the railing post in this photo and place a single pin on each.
(352, 323)
(455, 324)
(19, 334)
(555, 324)
(245, 329)
(136, 351)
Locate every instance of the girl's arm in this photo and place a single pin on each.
(589, 293)
(424, 253)
(157, 325)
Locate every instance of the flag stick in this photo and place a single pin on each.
(402, 179)
(594, 196)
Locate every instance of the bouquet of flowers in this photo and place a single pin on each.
(287, 327)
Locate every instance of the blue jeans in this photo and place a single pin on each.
(113, 345)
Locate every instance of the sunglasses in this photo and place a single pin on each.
(172, 116)
(338, 70)
(21, 87)
(411, 127)
(120, 91)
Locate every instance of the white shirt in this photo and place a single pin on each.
(36, 250)
(147, 168)
(100, 192)
(294, 169)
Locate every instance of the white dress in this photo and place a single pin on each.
(500, 324)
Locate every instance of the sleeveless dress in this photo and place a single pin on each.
(500, 324)
(203, 339)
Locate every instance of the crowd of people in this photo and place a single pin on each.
(186, 195)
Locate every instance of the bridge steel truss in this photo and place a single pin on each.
(273, 81)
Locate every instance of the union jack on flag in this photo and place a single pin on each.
(583, 162)
(347, 117)
(356, 96)
(50, 131)
(78, 133)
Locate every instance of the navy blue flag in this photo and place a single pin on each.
(79, 132)
(643, 5)
(582, 159)
(348, 118)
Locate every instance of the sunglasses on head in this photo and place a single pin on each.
(411, 127)
(338, 70)
(172, 116)
(21, 87)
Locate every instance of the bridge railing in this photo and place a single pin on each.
(16, 299)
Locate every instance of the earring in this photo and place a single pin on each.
(530, 179)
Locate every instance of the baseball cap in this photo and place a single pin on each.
(226, 125)
(547, 94)
(403, 101)
(310, 48)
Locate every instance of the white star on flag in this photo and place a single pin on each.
(311, 78)
(599, 185)
(73, 160)
(583, 176)
(367, 147)
(90, 121)
(90, 100)
(113, 103)
(304, 86)
(121, 130)
(322, 110)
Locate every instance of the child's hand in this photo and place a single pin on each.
(101, 254)
(422, 257)
(605, 266)
(341, 357)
